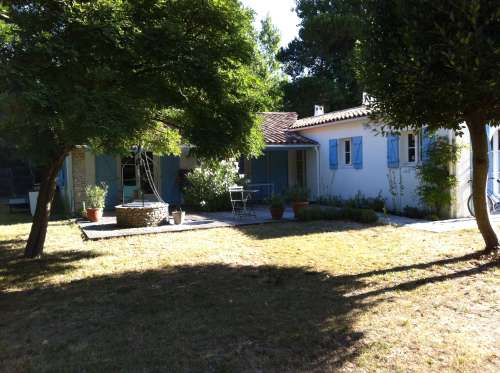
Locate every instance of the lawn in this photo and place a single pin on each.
(320, 296)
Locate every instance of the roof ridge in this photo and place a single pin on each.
(277, 112)
(334, 116)
(335, 112)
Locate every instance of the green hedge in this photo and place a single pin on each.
(333, 213)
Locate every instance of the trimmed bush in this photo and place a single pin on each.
(359, 201)
(414, 212)
(312, 213)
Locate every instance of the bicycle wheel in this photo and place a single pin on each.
(470, 205)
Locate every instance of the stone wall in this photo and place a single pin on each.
(134, 216)
(79, 178)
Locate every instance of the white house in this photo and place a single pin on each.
(334, 154)
(353, 156)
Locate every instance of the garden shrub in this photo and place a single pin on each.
(414, 212)
(436, 180)
(276, 201)
(359, 201)
(312, 213)
(207, 185)
(95, 196)
(298, 194)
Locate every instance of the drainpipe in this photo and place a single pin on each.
(318, 170)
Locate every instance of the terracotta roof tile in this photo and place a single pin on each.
(335, 116)
(276, 128)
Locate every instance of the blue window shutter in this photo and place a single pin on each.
(334, 159)
(392, 151)
(357, 151)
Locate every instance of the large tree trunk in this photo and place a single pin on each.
(479, 141)
(36, 240)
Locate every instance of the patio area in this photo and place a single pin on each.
(108, 228)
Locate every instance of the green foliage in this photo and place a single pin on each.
(270, 69)
(432, 63)
(114, 72)
(298, 194)
(276, 201)
(359, 201)
(414, 212)
(312, 213)
(95, 196)
(436, 181)
(207, 185)
(320, 60)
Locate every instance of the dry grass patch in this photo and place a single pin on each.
(318, 296)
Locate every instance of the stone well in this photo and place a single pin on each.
(139, 214)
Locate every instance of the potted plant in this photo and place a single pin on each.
(299, 197)
(178, 216)
(95, 201)
(276, 207)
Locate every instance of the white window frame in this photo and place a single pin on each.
(404, 151)
(344, 151)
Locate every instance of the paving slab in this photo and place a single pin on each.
(107, 227)
(448, 225)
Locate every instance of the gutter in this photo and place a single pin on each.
(290, 146)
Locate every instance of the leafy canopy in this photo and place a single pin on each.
(113, 73)
(270, 69)
(320, 60)
(432, 62)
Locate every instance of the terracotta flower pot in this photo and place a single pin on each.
(94, 215)
(297, 206)
(276, 212)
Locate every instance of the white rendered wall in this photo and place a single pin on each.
(373, 178)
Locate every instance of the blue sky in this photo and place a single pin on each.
(281, 14)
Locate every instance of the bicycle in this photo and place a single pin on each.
(492, 200)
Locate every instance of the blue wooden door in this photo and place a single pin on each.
(106, 170)
(170, 188)
(271, 168)
(278, 171)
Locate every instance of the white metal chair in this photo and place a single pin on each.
(239, 201)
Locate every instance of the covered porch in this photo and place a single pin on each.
(282, 167)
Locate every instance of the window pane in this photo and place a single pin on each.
(145, 185)
(347, 152)
(128, 169)
(411, 154)
(411, 140)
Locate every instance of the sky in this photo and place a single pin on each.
(281, 14)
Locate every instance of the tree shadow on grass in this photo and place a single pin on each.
(17, 270)
(296, 228)
(198, 318)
